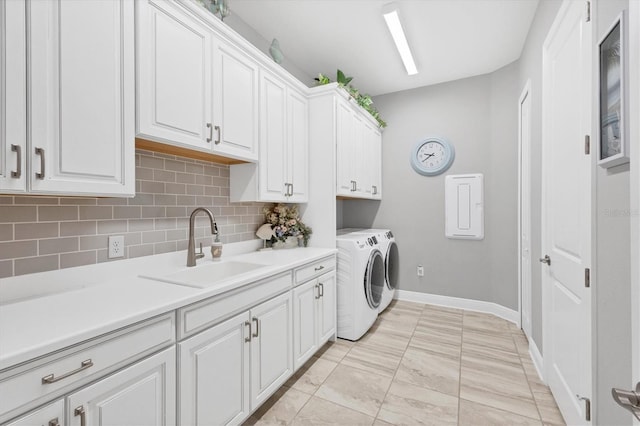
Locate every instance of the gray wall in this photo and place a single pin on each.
(479, 117)
(530, 64)
(613, 278)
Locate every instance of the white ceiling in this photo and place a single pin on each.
(450, 39)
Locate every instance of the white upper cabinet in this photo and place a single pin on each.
(282, 174)
(13, 92)
(358, 152)
(194, 90)
(235, 96)
(273, 142)
(298, 146)
(373, 156)
(81, 111)
(76, 100)
(345, 151)
(174, 75)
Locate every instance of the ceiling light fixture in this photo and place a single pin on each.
(392, 18)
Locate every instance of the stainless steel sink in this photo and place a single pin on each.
(207, 275)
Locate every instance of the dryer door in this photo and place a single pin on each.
(391, 266)
(374, 279)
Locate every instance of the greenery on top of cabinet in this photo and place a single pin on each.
(364, 101)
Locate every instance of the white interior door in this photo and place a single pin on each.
(567, 210)
(524, 108)
(634, 90)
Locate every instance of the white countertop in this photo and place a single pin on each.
(46, 312)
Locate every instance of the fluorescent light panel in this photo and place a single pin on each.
(392, 18)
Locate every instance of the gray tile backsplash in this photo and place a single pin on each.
(44, 233)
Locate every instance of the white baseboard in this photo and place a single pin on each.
(459, 303)
(536, 357)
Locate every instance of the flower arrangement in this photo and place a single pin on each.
(285, 222)
(364, 101)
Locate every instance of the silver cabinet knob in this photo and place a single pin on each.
(546, 259)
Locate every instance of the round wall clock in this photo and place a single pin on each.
(432, 156)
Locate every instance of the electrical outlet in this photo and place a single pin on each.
(420, 271)
(116, 246)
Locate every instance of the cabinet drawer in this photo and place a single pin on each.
(315, 269)
(33, 383)
(201, 315)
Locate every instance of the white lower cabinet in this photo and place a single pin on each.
(271, 354)
(314, 316)
(327, 308)
(49, 415)
(214, 374)
(230, 369)
(226, 368)
(142, 394)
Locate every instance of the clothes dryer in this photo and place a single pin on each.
(389, 250)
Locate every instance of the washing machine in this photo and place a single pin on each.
(389, 249)
(360, 284)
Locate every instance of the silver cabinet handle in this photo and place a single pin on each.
(321, 289)
(40, 152)
(257, 322)
(217, 142)
(291, 188)
(317, 296)
(18, 150)
(374, 189)
(546, 259)
(286, 189)
(248, 338)
(79, 411)
(353, 185)
(54, 422)
(210, 138)
(587, 407)
(319, 268)
(87, 363)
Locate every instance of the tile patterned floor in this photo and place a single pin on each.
(419, 364)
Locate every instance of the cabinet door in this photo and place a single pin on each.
(376, 164)
(360, 161)
(49, 415)
(235, 78)
(142, 394)
(13, 92)
(271, 351)
(298, 146)
(305, 323)
(345, 149)
(82, 97)
(273, 144)
(214, 374)
(174, 75)
(327, 307)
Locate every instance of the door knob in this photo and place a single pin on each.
(546, 259)
(628, 399)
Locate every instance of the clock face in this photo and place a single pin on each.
(432, 156)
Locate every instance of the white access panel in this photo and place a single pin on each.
(464, 206)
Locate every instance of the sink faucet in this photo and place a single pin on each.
(192, 256)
